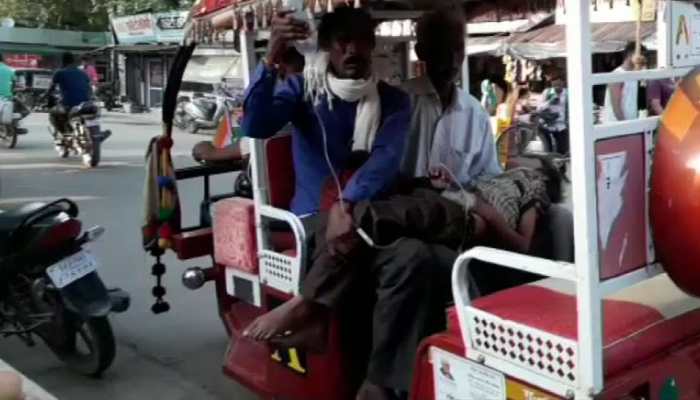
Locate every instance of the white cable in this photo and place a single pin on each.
(365, 237)
(454, 178)
(328, 157)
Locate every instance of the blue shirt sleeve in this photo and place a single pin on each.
(382, 167)
(270, 104)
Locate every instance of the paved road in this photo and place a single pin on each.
(173, 356)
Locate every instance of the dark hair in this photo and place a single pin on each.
(501, 83)
(347, 23)
(67, 59)
(554, 175)
(631, 48)
(440, 22)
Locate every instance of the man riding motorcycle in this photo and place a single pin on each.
(76, 88)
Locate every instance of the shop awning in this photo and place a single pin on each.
(146, 48)
(485, 44)
(212, 69)
(550, 41)
(38, 49)
(209, 15)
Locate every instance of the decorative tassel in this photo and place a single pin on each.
(330, 6)
(158, 270)
(358, 4)
(317, 7)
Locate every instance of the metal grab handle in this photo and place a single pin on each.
(294, 223)
(537, 265)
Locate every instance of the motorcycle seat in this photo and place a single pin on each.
(87, 108)
(11, 220)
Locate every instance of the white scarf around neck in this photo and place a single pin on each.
(318, 81)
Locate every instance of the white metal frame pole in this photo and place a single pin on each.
(257, 147)
(465, 64)
(579, 67)
(663, 32)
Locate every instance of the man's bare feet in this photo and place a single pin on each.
(312, 337)
(283, 320)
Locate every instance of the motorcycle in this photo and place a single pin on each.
(50, 288)
(77, 130)
(204, 111)
(10, 132)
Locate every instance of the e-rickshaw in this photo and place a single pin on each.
(613, 324)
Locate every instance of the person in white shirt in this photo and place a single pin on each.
(621, 98)
(449, 127)
(554, 99)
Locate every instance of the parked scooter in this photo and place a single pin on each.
(77, 130)
(108, 95)
(204, 111)
(50, 288)
(10, 132)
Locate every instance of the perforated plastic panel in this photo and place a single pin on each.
(279, 271)
(535, 350)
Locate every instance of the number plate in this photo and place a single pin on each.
(70, 269)
(292, 359)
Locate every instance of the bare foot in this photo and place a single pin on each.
(291, 315)
(313, 336)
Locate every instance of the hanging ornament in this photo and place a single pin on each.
(318, 7)
(357, 4)
(330, 7)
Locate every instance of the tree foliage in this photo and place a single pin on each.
(82, 15)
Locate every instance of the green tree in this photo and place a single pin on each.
(83, 15)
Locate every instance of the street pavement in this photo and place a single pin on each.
(177, 355)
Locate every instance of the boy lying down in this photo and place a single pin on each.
(501, 211)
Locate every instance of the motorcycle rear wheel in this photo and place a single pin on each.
(92, 158)
(89, 348)
(9, 137)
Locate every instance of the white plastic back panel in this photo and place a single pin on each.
(537, 351)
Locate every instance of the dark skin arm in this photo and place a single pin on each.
(206, 152)
(519, 240)
(616, 97)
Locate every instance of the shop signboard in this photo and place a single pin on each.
(166, 27)
(22, 60)
(133, 29)
(170, 26)
(685, 33)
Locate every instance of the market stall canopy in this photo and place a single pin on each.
(550, 41)
(213, 69)
(209, 16)
(137, 48)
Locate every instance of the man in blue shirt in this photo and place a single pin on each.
(376, 120)
(75, 89)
